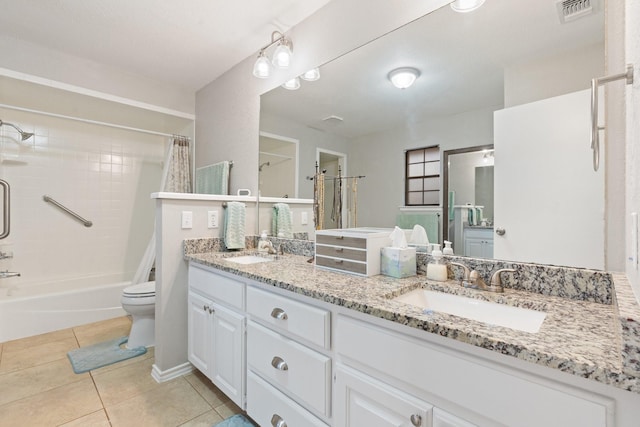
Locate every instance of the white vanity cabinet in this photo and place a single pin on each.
(364, 401)
(478, 242)
(289, 379)
(216, 330)
(445, 419)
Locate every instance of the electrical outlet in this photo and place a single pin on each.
(304, 218)
(212, 219)
(187, 219)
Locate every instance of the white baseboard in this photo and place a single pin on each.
(169, 374)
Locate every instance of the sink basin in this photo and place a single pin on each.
(522, 319)
(248, 259)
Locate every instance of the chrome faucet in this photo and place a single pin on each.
(496, 281)
(7, 274)
(465, 271)
(472, 279)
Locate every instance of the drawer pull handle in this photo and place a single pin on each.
(339, 249)
(277, 421)
(279, 364)
(416, 420)
(340, 237)
(339, 261)
(278, 313)
(205, 308)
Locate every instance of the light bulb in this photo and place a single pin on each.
(311, 75)
(262, 67)
(292, 84)
(464, 6)
(402, 78)
(282, 56)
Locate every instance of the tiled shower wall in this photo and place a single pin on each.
(104, 174)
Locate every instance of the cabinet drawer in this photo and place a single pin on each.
(267, 406)
(290, 366)
(216, 286)
(351, 242)
(308, 322)
(341, 264)
(342, 252)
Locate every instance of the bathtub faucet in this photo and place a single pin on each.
(6, 274)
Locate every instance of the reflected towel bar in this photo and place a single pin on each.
(84, 222)
(595, 128)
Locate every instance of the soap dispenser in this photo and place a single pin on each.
(448, 250)
(437, 270)
(263, 243)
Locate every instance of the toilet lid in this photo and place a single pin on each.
(147, 289)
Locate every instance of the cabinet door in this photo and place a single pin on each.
(228, 365)
(474, 247)
(364, 401)
(199, 332)
(445, 419)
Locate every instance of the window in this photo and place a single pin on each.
(422, 177)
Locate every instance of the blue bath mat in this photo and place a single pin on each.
(95, 356)
(238, 420)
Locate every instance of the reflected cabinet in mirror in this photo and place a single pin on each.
(509, 76)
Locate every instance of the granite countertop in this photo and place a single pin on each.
(597, 341)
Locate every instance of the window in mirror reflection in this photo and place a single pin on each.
(422, 177)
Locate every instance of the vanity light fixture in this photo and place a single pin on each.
(404, 77)
(464, 6)
(311, 75)
(293, 84)
(281, 56)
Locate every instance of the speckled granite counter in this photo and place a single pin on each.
(593, 340)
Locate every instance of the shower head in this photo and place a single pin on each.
(262, 165)
(23, 135)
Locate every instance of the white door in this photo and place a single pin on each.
(228, 366)
(548, 199)
(364, 401)
(199, 333)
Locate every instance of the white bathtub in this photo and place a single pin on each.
(46, 307)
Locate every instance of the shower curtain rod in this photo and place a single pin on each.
(93, 122)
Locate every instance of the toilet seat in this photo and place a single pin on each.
(141, 290)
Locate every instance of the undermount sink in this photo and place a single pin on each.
(522, 319)
(248, 259)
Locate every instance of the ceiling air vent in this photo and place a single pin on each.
(570, 10)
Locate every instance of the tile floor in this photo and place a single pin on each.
(39, 389)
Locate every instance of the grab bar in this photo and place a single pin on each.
(595, 128)
(85, 222)
(6, 209)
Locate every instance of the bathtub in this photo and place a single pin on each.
(45, 307)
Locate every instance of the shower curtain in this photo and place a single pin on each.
(176, 178)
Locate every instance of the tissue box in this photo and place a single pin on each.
(397, 262)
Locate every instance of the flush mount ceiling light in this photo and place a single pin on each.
(281, 56)
(311, 75)
(292, 84)
(404, 77)
(464, 6)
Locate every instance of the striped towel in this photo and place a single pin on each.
(234, 220)
(281, 221)
(213, 179)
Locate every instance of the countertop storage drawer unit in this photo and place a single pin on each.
(302, 320)
(268, 407)
(352, 250)
(290, 366)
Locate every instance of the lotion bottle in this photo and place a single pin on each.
(437, 270)
(448, 250)
(263, 243)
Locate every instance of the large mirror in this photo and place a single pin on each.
(504, 56)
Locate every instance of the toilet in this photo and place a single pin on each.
(140, 302)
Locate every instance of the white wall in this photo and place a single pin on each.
(104, 174)
(632, 39)
(64, 68)
(380, 157)
(552, 76)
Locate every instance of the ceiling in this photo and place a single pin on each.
(461, 57)
(183, 43)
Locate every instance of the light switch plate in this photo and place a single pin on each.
(304, 218)
(187, 219)
(212, 219)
